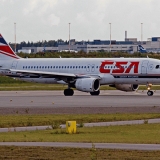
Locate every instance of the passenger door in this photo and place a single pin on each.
(144, 67)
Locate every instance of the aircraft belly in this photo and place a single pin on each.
(137, 80)
(40, 80)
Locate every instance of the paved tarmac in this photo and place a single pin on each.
(53, 99)
(146, 147)
(54, 102)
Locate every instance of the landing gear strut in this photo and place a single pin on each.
(149, 93)
(68, 92)
(96, 93)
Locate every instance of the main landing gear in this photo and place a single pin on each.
(149, 93)
(96, 93)
(68, 92)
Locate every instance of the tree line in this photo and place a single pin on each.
(82, 54)
(50, 43)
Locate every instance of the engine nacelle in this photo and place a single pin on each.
(87, 84)
(127, 87)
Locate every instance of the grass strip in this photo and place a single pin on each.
(18, 120)
(51, 153)
(144, 133)
(37, 86)
(10, 84)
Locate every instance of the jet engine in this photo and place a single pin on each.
(87, 84)
(126, 87)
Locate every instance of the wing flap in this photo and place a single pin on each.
(42, 73)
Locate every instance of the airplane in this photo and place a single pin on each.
(84, 74)
(141, 49)
(148, 50)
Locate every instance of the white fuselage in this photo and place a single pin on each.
(110, 70)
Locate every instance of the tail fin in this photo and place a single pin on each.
(140, 47)
(6, 51)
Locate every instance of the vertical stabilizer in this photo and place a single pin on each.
(6, 51)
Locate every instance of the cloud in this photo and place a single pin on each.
(39, 7)
(3, 20)
(52, 20)
(89, 18)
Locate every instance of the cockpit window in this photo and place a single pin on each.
(157, 66)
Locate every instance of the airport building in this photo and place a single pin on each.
(39, 49)
(129, 45)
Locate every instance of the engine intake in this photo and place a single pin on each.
(87, 84)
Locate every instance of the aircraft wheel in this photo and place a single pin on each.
(68, 92)
(96, 93)
(150, 93)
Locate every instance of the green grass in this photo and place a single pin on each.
(31, 87)
(144, 133)
(38, 120)
(51, 87)
(51, 153)
(10, 84)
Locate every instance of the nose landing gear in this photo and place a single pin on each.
(149, 93)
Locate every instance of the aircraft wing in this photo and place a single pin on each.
(42, 73)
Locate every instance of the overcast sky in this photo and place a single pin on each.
(48, 19)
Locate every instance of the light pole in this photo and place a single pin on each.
(110, 36)
(15, 36)
(141, 32)
(69, 37)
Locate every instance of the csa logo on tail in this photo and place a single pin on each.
(5, 50)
